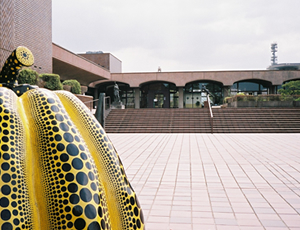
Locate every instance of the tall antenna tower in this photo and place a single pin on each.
(273, 51)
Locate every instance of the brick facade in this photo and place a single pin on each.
(27, 23)
(7, 38)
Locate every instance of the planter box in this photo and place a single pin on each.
(296, 103)
(84, 89)
(243, 104)
(275, 104)
(87, 100)
(67, 87)
(240, 104)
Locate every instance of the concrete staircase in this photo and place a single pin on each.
(226, 120)
(158, 121)
(257, 120)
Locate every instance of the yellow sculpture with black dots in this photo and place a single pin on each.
(59, 169)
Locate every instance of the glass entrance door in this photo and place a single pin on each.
(158, 101)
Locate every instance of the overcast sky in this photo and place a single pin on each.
(181, 35)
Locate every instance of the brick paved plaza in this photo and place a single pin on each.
(219, 181)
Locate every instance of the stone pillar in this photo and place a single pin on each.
(136, 98)
(272, 89)
(180, 99)
(96, 94)
(226, 90)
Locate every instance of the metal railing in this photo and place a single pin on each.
(90, 104)
(106, 105)
(211, 120)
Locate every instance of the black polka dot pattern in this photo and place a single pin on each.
(70, 180)
(126, 210)
(58, 168)
(19, 57)
(15, 209)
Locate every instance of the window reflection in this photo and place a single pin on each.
(250, 88)
(159, 95)
(193, 98)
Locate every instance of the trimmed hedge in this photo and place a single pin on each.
(50, 81)
(28, 76)
(76, 89)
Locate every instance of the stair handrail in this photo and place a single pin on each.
(211, 120)
(211, 114)
(106, 105)
(90, 106)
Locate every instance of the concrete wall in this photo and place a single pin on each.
(261, 104)
(115, 65)
(71, 66)
(87, 100)
(180, 79)
(106, 60)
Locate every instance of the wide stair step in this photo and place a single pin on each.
(226, 120)
(257, 120)
(158, 121)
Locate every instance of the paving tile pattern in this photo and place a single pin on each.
(214, 181)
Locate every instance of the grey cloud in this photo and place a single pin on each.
(182, 35)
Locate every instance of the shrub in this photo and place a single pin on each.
(250, 98)
(50, 81)
(286, 98)
(76, 89)
(261, 98)
(274, 98)
(240, 98)
(28, 76)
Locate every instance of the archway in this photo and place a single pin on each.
(194, 98)
(251, 87)
(126, 93)
(159, 94)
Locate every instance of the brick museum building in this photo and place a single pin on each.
(29, 23)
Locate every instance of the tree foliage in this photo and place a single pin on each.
(290, 88)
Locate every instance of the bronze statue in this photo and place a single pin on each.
(116, 93)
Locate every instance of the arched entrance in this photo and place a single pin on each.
(126, 93)
(251, 87)
(194, 98)
(159, 95)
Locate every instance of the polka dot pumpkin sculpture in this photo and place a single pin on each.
(58, 168)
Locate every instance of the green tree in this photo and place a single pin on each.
(76, 89)
(290, 88)
(28, 76)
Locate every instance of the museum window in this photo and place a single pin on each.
(126, 93)
(194, 97)
(250, 87)
(159, 95)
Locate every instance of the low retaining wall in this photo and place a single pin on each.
(236, 104)
(85, 99)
